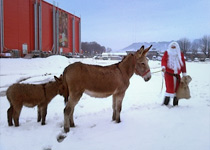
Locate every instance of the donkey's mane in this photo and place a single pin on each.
(125, 57)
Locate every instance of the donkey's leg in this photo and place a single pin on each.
(119, 99)
(76, 97)
(69, 109)
(43, 114)
(66, 112)
(9, 115)
(16, 114)
(72, 118)
(65, 99)
(114, 107)
(118, 110)
(38, 113)
(68, 115)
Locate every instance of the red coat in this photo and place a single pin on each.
(170, 80)
(165, 61)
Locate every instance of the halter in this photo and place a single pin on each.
(142, 75)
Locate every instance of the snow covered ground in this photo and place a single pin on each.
(146, 125)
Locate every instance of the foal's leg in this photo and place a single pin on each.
(38, 114)
(118, 106)
(43, 114)
(114, 107)
(9, 115)
(16, 114)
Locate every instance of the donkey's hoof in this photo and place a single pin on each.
(72, 125)
(118, 121)
(10, 124)
(43, 123)
(66, 129)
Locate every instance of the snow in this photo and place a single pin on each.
(146, 124)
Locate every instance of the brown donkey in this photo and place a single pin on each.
(99, 81)
(31, 95)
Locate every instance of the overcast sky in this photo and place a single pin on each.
(119, 23)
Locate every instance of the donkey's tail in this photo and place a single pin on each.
(65, 89)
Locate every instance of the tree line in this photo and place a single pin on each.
(91, 49)
(195, 46)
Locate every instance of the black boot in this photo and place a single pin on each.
(166, 100)
(176, 101)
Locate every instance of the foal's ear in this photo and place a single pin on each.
(146, 50)
(57, 79)
(140, 52)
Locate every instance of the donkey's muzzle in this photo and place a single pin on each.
(147, 77)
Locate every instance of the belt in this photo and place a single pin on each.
(177, 76)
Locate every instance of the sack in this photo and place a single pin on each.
(183, 90)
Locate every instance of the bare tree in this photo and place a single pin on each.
(195, 46)
(184, 44)
(205, 45)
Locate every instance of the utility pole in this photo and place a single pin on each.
(207, 50)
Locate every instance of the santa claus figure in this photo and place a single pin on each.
(173, 64)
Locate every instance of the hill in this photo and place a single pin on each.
(159, 46)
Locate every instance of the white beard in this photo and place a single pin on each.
(174, 59)
(173, 62)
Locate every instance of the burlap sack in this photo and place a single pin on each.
(183, 90)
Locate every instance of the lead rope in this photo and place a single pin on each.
(162, 82)
(162, 79)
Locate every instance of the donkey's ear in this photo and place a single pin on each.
(140, 51)
(146, 50)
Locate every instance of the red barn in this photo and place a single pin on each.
(35, 26)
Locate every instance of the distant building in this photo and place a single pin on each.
(192, 55)
(201, 56)
(151, 53)
(35, 26)
(113, 56)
